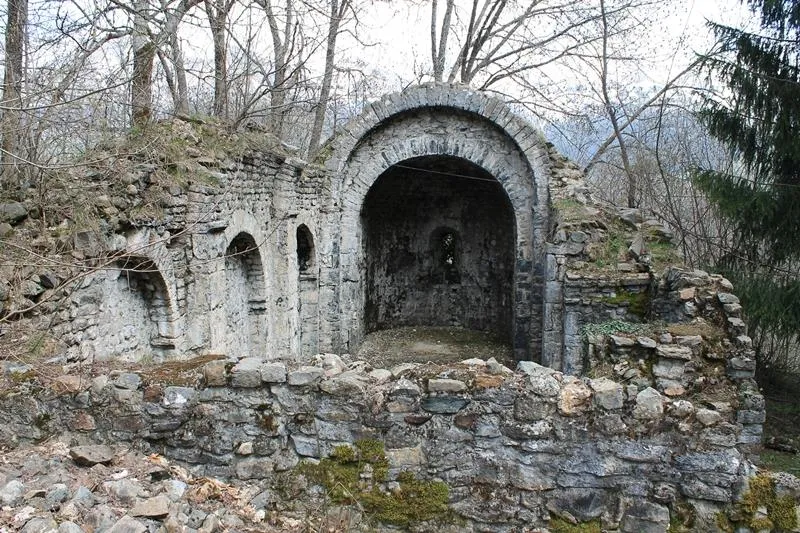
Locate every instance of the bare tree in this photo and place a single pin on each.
(337, 13)
(217, 12)
(12, 90)
(439, 46)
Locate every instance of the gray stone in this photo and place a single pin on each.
(530, 368)
(727, 298)
(346, 384)
(402, 368)
(305, 446)
(404, 387)
(380, 375)
(128, 381)
(178, 396)
(58, 493)
(69, 527)
(669, 369)
(646, 342)
(649, 405)
(12, 492)
(583, 504)
(608, 394)
(100, 518)
(91, 455)
(273, 373)
(622, 342)
(12, 212)
(331, 363)
(645, 517)
(83, 497)
(40, 525)
(126, 524)
(443, 404)
(5, 231)
(305, 375)
(674, 352)
(544, 385)
(157, 507)
(446, 385)
(246, 373)
(125, 490)
(174, 489)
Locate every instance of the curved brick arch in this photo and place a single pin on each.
(436, 121)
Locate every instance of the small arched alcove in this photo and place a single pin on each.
(245, 302)
(135, 319)
(439, 247)
(305, 250)
(308, 291)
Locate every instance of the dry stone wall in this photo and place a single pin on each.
(514, 448)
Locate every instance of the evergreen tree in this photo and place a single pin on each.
(759, 121)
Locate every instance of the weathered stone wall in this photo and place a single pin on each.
(263, 198)
(514, 448)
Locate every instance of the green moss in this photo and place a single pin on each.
(781, 514)
(414, 501)
(638, 303)
(342, 475)
(723, 523)
(559, 525)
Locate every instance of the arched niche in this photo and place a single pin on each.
(439, 238)
(135, 319)
(308, 291)
(245, 298)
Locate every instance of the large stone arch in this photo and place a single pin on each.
(434, 121)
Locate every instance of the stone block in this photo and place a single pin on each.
(608, 394)
(273, 373)
(649, 405)
(444, 404)
(674, 352)
(645, 517)
(246, 373)
(305, 375)
(446, 385)
(306, 446)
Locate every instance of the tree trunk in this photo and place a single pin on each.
(217, 11)
(12, 91)
(144, 53)
(612, 115)
(337, 12)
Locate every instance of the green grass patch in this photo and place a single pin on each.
(781, 461)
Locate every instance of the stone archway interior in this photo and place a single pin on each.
(134, 323)
(439, 247)
(245, 304)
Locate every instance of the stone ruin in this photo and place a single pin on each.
(633, 399)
